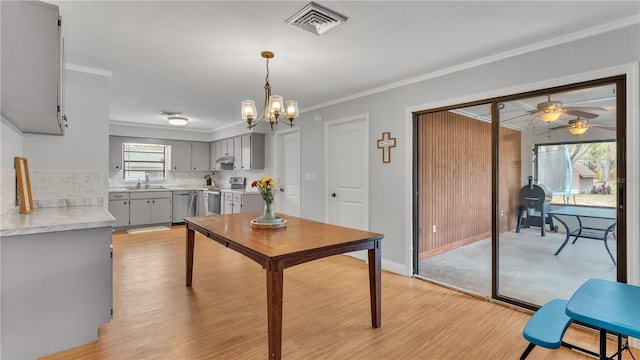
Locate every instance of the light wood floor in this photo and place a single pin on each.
(326, 311)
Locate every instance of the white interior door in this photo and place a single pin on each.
(287, 144)
(347, 170)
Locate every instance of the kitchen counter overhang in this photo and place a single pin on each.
(45, 220)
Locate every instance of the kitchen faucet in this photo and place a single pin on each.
(146, 181)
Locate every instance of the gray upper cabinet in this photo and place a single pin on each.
(252, 154)
(115, 152)
(31, 67)
(181, 155)
(247, 152)
(199, 156)
(237, 152)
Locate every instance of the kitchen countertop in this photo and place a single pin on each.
(241, 191)
(45, 220)
(130, 188)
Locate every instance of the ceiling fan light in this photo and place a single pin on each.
(550, 116)
(178, 120)
(578, 130)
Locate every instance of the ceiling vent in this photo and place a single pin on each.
(316, 19)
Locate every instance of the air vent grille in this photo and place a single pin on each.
(316, 19)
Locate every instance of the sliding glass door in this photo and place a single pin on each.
(559, 227)
(505, 186)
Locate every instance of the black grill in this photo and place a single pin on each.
(535, 202)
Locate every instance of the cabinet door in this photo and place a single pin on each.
(221, 149)
(225, 149)
(199, 156)
(252, 202)
(115, 153)
(140, 212)
(120, 210)
(228, 206)
(213, 156)
(245, 156)
(181, 155)
(30, 66)
(253, 151)
(160, 210)
(237, 152)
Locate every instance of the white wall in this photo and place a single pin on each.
(12, 144)
(390, 187)
(85, 144)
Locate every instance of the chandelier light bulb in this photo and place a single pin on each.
(249, 110)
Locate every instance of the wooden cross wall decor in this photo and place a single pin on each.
(385, 144)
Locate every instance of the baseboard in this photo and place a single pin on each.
(394, 267)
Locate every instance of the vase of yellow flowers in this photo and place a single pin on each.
(267, 188)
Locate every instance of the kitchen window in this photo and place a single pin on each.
(139, 160)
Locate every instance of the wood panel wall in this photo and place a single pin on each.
(454, 180)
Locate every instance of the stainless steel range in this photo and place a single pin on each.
(238, 182)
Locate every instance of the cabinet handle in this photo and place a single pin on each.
(125, 203)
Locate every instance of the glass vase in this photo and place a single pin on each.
(268, 212)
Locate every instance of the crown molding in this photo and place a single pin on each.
(596, 30)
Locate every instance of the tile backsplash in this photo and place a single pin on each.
(7, 189)
(55, 188)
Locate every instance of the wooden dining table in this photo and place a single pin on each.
(276, 249)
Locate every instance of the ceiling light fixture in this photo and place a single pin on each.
(273, 105)
(578, 126)
(177, 119)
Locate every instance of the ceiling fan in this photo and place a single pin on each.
(550, 110)
(579, 126)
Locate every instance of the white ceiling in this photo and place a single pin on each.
(202, 58)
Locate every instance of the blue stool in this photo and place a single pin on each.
(547, 327)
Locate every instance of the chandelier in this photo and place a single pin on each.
(274, 106)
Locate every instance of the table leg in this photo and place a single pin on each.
(603, 344)
(274, 305)
(190, 249)
(375, 284)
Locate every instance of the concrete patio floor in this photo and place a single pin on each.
(528, 269)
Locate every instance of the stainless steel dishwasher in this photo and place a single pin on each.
(184, 205)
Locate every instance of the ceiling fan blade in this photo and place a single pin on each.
(513, 118)
(586, 108)
(604, 127)
(579, 113)
(547, 131)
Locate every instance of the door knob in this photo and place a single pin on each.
(334, 194)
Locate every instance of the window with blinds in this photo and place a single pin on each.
(141, 159)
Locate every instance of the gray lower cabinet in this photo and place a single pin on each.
(150, 207)
(234, 203)
(56, 290)
(119, 208)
